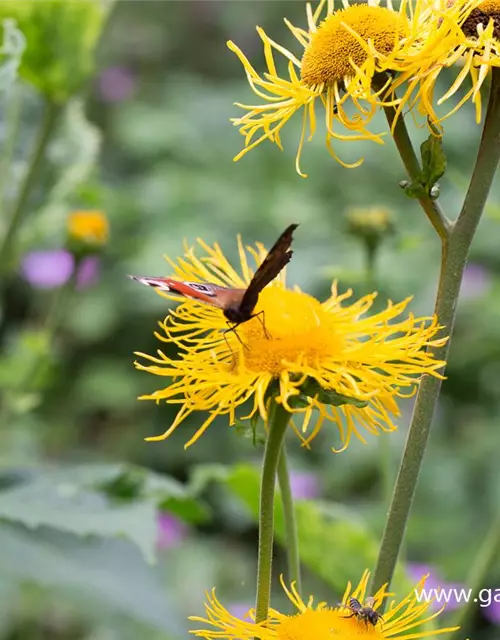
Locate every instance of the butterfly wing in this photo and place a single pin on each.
(202, 291)
(277, 258)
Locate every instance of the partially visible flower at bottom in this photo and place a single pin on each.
(51, 268)
(324, 362)
(171, 531)
(403, 620)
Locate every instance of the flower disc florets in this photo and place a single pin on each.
(338, 47)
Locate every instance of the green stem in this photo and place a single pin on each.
(47, 128)
(12, 117)
(405, 147)
(61, 300)
(455, 249)
(386, 471)
(371, 249)
(31, 381)
(481, 567)
(292, 538)
(277, 429)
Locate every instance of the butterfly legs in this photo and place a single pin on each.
(232, 326)
(262, 322)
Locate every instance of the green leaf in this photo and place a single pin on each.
(205, 474)
(433, 161)
(142, 484)
(110, 574)
(250, 429)
(433, 168)
(107, 501)
(13, 46)
(61, 37)
(311, 388)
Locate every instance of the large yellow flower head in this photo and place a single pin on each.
(459, 33)
(401, 621)
(324, 360)
(343, 53)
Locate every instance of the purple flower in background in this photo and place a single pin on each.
(452, 590)
(171, 531)
(475, 283)
(88, 272)
(240, 610)
(305, 486)
(53, 268)
(492, 612)
(116, 84)
(47, 269)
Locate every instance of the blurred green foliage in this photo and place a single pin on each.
(151, 145)
(61, 38)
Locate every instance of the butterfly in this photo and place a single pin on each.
(237, 304)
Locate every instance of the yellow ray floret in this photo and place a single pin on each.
(464, 34)
(403, 620)
(335, 345)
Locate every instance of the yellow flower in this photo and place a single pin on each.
(401, 621)
(88, 227)
(458, 32)
(342, 54)
(307, 350)
(371, 223)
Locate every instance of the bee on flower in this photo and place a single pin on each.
(403, 620)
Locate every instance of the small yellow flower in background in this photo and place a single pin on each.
(342, 52)
(307, 350)
(371, 222)
(88, 227)
(401, 621)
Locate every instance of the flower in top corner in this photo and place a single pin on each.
(404, 619)
(347, 59)
(335, 361)
(465, 35)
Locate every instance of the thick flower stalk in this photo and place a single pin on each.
(342, 52)
(324, 362)
(403, 620)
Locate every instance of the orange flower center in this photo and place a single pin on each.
(333, 49)
(293, 328)
(326, 624)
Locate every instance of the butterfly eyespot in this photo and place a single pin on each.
(200, 287)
